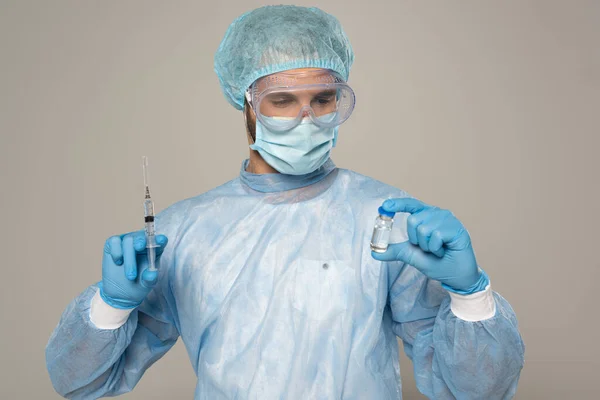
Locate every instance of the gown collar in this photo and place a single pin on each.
(270, 183)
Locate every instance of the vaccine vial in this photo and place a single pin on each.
(382, 231)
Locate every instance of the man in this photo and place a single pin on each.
(270, 280)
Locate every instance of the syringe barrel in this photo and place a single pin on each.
(149, 226)
(151, 244)
(148, 207)
(151, 253)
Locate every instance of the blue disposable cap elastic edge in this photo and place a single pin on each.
(381, 211)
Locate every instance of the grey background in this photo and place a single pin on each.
(488, 108)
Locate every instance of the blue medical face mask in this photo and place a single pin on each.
(298, 151)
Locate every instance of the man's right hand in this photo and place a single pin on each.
(125, 279)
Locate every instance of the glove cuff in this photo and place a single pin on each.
(116, 303)
(481, 284)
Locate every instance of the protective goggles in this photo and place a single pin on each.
(283, 100)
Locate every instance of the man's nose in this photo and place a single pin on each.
(306, 110)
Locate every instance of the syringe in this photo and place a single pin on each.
(149, 220)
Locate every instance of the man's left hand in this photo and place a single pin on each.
(438, 245)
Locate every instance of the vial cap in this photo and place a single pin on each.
(385, 213)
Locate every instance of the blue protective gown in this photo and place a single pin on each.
(270, 283)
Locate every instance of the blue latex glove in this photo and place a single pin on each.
(438, 245)
(125, 279)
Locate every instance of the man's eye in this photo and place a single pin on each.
(324, 100)
(280, 102)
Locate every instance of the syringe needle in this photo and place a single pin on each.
(145, 169)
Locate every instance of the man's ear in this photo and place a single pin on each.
(250, 120)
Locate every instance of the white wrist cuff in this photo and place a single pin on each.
(107, 317)
(474, 307)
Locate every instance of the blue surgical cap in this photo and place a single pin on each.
(277, 38)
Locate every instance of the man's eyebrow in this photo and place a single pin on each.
(328, 92)
(282, 94)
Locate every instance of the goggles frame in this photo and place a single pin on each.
(281, 82)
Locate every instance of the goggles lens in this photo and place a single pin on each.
(321, 96)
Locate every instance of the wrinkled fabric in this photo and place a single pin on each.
(276, 295)
(272, 39)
